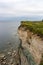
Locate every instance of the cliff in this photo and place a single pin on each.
(32, 46)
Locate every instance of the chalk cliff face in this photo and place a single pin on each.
(32, 43)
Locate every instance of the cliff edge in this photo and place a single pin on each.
(32, 45)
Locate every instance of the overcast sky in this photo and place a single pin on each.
(21, 7)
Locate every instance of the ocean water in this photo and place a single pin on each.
(8, 34)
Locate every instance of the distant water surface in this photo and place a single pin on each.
(8, 34)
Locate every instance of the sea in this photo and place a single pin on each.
(9, 34)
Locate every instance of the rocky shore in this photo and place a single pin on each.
(13, 57)
(10, 57)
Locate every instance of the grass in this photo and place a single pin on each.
(36, 27)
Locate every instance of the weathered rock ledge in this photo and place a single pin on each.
(32, 43)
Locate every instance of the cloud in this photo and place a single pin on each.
(21, 7)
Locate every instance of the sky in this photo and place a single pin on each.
(21, 8)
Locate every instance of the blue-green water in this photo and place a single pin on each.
(8, 34)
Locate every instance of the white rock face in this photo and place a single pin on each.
(32, 43)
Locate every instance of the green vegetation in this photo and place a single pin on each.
(35, 26)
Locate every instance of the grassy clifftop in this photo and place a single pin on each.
(36, 27)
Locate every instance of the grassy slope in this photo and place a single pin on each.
(36, 27)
